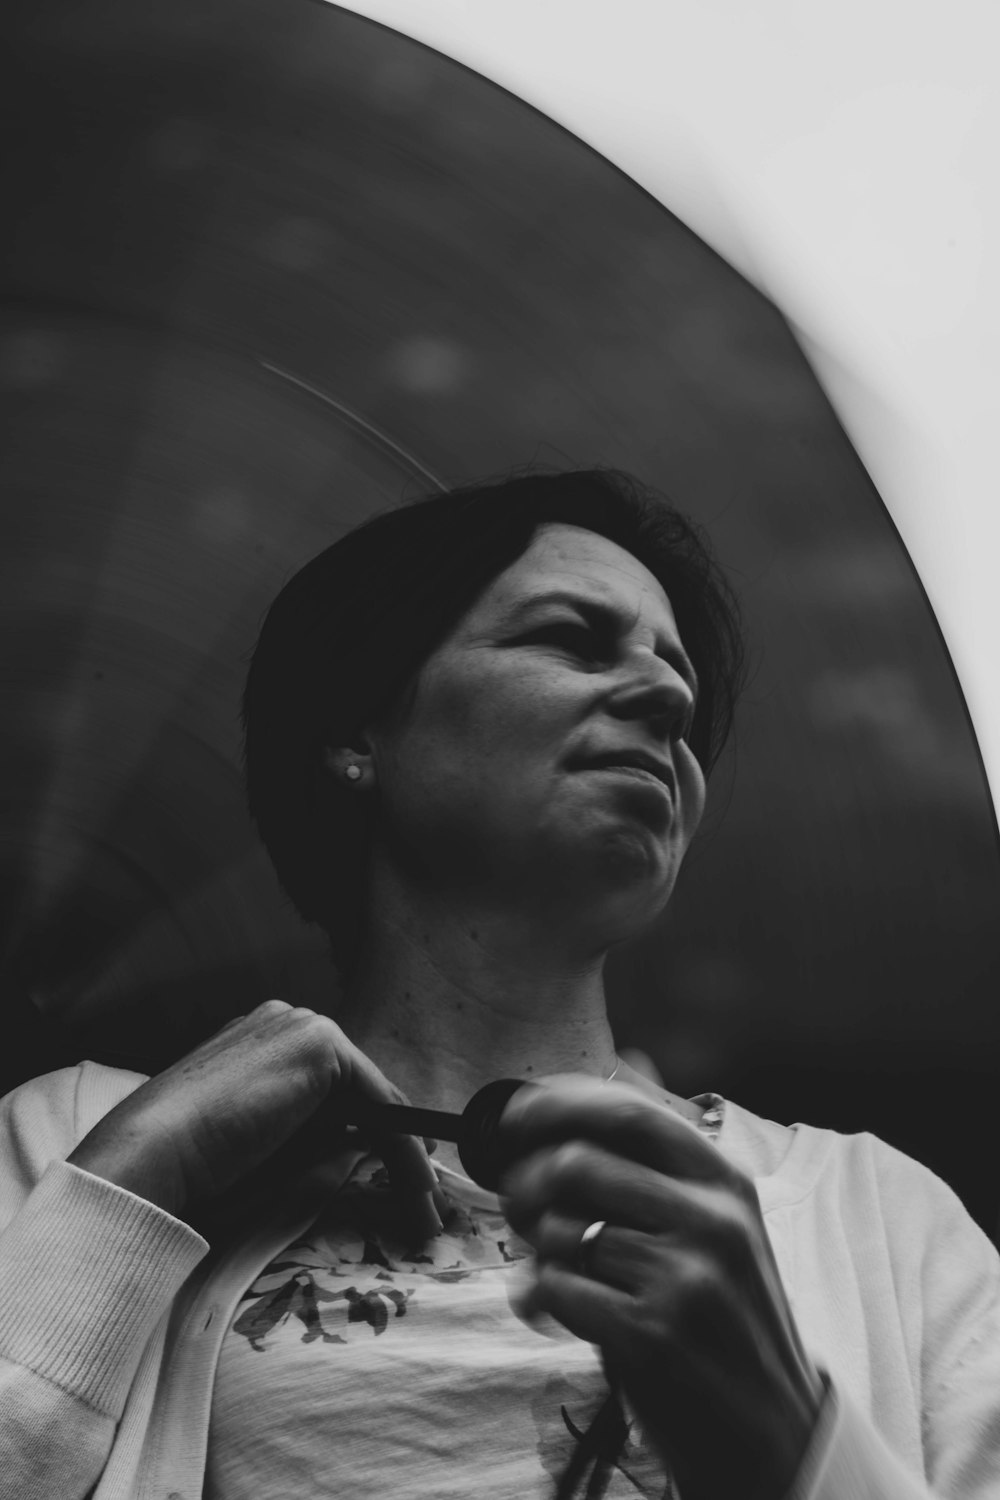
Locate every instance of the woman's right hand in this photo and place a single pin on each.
(259, 1097)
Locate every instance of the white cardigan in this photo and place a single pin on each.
(112, 1313)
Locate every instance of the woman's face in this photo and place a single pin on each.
(540, 760)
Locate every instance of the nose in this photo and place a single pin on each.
(653, 690)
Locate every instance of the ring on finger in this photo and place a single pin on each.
(584, 1249)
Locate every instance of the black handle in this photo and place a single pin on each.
(479, 1147)
(476, 1130)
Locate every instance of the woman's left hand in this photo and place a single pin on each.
(680, 1288)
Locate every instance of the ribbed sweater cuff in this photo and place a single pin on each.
(87, 1269)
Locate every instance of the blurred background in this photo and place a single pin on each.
(270, 268)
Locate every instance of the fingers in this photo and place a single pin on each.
(414, 1180)
(405, 1156)
(592, 1310)
(291, 1069)
(614, 1115)
(618, 1257)
(642, 1298)
(679, 1288)
(587, 1182)
(267, 1011)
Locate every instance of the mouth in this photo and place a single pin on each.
(638, 763)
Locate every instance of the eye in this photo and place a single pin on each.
(574, 636)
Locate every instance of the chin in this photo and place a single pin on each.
(632, 876)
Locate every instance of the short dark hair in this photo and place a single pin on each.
(350, 631)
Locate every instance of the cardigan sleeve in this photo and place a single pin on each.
(959, 1271)
(948, 1290)
(87, 1272)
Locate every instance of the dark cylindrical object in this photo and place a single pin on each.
(479, 1147)
(476, 1130)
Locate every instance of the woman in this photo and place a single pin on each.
(477, 735)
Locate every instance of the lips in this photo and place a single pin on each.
(628, 759)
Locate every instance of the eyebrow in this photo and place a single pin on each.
(599, 612)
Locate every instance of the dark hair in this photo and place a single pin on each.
(349, 632)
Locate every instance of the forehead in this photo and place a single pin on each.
(562, 557)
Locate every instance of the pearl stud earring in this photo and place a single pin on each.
(353, 773)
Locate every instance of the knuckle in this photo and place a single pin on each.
(304, 1014)
(554, 1237)
(272, 1007)
(309, 1024)
(548, 1278)
(697, 1285)
(570, 1162)
(313, 1042)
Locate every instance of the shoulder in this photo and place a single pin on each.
(787, 1162)
(792, 1162)
(877, 1192)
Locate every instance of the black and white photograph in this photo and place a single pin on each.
(500, 886)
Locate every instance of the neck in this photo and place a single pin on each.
(444, 1001)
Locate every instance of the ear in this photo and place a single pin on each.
(353, 768)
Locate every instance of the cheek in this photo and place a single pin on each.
(692, 785)
(461, 729)
(490, 713)
(465, 732)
